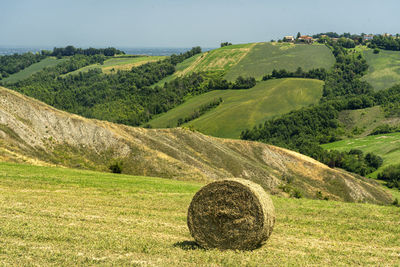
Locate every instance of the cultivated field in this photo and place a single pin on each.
(25, 73)
(385, 145)
(119, 63)
(384, 68)
(264, 57)
(242, 109)
(65, 217)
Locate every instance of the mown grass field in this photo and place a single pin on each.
(180, 68)
(64, 217)
(217, 60)
(264, 57)
(119, 63)
(25, 73)
(385, 145)
(384, 68)
(243, 109)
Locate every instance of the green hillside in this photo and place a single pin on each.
(25, 73)
(385, 145)
(256, 60)
(64, 217)
(242, 109)
(264, 57)
(384, 68)
(361, 122)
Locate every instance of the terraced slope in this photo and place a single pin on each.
(25, 73)
(243, 109)
(264, 57)
(33, 132)
(65, 217)
(384, 68)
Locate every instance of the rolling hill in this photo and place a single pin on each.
(263, 58)
(242, 109)
(65, 217)
(35, 133)
(384, 68)
(256, 60)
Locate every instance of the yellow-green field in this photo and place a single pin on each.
(119, 63)
(64, 217)
(384, 68)
(242, 109)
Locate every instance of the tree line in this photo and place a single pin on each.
(385, 42)
(71, 51)
(318, 73)
(200, 111)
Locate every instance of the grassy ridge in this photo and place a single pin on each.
(264, 57)
(25, 73)
(384, 68)
(385, 145)
(64, 217)
(242, 109)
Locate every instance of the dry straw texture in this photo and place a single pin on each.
(231, 214)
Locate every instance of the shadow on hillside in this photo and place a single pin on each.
(187, 245)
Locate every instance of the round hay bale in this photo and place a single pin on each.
(231, 214)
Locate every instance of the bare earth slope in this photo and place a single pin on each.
(33, 132)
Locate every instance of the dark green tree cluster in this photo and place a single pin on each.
(353, 161)
(200, 111)
(345, 78)
(175, 59)
(319, 73)
(385, 42)
(354, 38)
(10, 64)
(218, 83)
(225, 44)
(391, 175)
(384, 129)
(71, 51)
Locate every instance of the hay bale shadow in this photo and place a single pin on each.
(187, 245)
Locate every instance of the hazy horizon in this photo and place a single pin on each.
(184, 23)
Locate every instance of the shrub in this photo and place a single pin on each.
(116, 167)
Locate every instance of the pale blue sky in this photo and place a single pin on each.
(185, 23)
